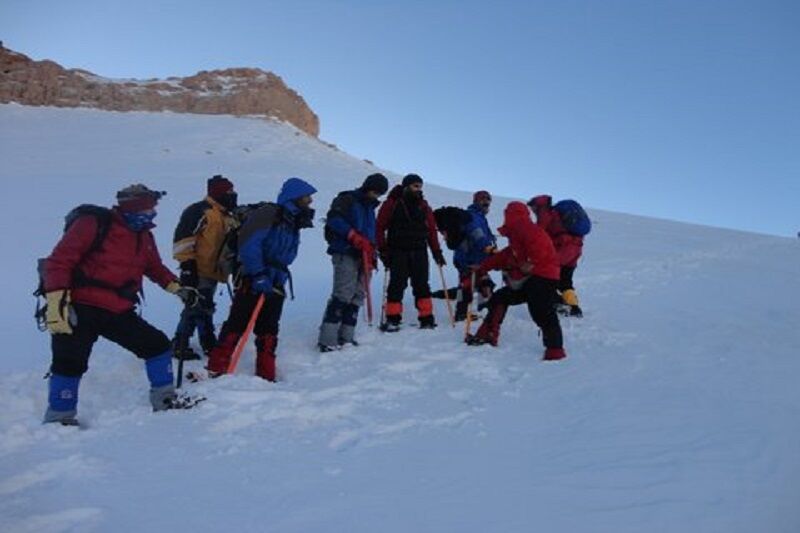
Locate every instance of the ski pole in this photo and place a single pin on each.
(366, 280)
(237, 353)
(468, 321)
(446, 297)
(383, 296)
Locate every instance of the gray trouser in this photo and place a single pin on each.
(341, 313)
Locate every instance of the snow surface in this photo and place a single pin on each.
(676, 411)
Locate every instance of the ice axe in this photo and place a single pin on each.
(367, 279)
(237, 353)
(468, 320)
(446, 297)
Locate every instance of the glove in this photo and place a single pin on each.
(439, 258)
(359, 241)
(190, 296)
(189, 273)
(262, 284)
(57, 313)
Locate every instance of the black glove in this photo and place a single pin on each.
(439, 258)
(189, 273)
(190, 296)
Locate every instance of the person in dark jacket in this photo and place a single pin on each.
(350, 231)
(531, 271)
(268, 244)
(479, 242)
(92, 292)
(197, 245)
(405, 229)
(569, 248)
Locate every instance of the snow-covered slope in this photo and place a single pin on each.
(677, 409)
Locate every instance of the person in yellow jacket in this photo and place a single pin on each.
(197, 246)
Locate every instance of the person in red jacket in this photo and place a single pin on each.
(569, 248)
(405, 228)
(531, 272)
(92, 290)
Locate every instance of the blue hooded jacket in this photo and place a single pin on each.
(270, 236)
(350, 210)
(478, 236)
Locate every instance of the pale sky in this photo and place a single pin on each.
(686, 110)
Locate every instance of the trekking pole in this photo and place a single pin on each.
(179, 379)
(366, 280)
(468, 321)
(447, 297)
(237, 353)
(383, 296)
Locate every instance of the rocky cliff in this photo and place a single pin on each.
(233, 91)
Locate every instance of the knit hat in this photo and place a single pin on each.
(481, 196)
(137, 198)
(377, 183)
(219, 186)
(543, 200)
(411, 178)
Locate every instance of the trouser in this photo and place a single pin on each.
(71, 355)
(341, 313)
(265, 331)
(405, 265)
(565, 283)
(129, 330)
(540, 295)
(201, 316)
(483, 286)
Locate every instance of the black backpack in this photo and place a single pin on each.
(452, 221)
(103, 217)
(228, 260)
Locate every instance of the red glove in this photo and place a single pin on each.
(360, 242)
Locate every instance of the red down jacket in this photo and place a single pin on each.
(568, 247)
(530, 250)
(121, 261)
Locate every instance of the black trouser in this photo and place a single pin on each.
(565, 283)
(244, 302)
(541, 296)
(129, 330)
(200, 316)
(405, 264)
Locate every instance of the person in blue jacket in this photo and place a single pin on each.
(478, 243)
(268, 243)
(350, 232)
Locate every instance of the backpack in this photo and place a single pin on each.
(451, 221)
(329, 234)
(103, 217)
(228, 260)
(573, 217)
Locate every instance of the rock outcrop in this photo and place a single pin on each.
(233, 91)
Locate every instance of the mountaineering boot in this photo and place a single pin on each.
(489, 332)
(219, 358)
(182, 350)
(347, 330)
(394, 316)
(554, 354)
(427, 322)
(265, 356)
(324, 348)
(425, 310)
(331, 323)
(165, 398)
(570, 299)
(62, 400)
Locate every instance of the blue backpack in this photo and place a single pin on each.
(573, 217)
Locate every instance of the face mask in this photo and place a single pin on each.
(304, 218)
(485, 207)
(228, 201)
(139, 221)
